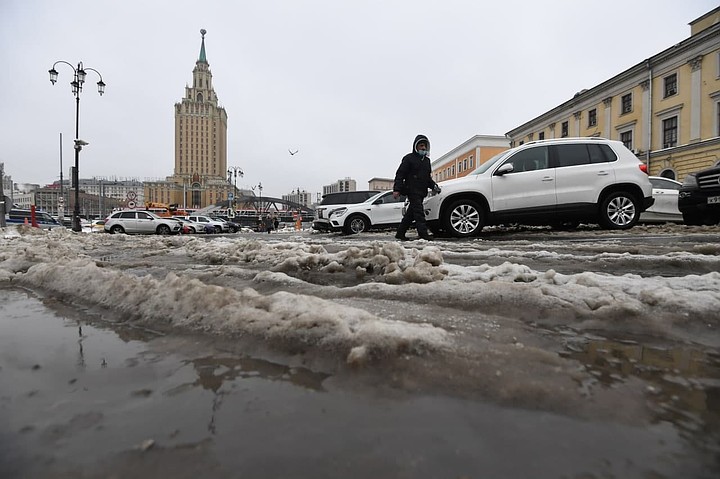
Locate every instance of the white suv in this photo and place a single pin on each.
(140, 222)
(559, 182)
(379, 211)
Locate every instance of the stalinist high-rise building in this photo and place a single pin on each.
(200, 177)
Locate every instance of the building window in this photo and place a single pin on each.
(564, 129)
(626, 103)
(626, 138)
(670, 85)
(471, 162)
(541, 135)
(670, 130)
(592, 117)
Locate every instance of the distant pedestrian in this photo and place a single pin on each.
(268, 223)
(413, 179)
(276, 222)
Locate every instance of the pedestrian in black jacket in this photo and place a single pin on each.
(414, 178)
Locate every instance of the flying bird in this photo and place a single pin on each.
(292, 152)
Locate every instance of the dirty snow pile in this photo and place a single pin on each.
(58, 261)
(304, 313)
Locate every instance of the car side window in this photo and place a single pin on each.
(664, 184)
(143, 216)
(529, 160)
(572, 155)
(127, 215)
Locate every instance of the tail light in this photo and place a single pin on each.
(643, 168)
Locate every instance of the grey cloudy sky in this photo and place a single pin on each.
(349, 83)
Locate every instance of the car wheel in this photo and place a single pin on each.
(464, 218)
(163, 230)
(218, 229)
(619, 211)
(356, 224)
(116, 229)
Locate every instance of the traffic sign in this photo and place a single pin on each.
(131, 195)
(231, 196)
(231, 213)
(131, 204)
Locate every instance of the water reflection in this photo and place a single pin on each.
(683, 382)
(214, 371)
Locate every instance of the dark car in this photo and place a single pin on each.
(699, 198)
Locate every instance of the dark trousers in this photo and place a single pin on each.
(414, 213)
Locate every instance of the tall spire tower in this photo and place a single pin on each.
(200, 178)
(201, 135)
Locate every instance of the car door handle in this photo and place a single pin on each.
(603, 173)
(547, 178)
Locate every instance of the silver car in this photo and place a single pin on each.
(140, 222)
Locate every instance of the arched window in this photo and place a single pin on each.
(668, 173)
(199, 97)
(196, 195)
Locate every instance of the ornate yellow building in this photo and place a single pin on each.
(200, 177)
(666, 108)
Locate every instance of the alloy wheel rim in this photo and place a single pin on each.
(464, 219)
(621, 211)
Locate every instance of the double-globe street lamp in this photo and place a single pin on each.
(234, 171)
(77, 84)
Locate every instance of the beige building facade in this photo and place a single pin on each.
(380, 184)
(666, 109)
(467, 156)
(200, 175)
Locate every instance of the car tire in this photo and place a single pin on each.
(356, 224)
(619, 211)
(116, 229)
(163, 230)
(218, 229)
(464, 218)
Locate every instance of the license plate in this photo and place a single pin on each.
(713, 200)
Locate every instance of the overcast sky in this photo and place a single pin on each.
(347, 82)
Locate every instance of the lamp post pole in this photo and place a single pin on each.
(235, 171)
(77, 84)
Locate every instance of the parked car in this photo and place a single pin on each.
(665, 209)
(559, 182)
(699, 198)
(232, 226)
(140, 222)
(330, 203)
(20, 216)
(380, 211)
(97, 226)
(218, 225)
(189, 227)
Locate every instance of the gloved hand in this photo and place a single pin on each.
(436, 189)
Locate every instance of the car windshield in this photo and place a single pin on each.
(486, 166)
(374, 198)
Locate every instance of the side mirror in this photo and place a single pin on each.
(506, 168)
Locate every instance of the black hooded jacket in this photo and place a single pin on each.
(414, 175)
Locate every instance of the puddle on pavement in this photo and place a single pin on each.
(682, 381)
(78, 399)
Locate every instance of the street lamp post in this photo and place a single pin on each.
(235, 171)
(77, 84)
